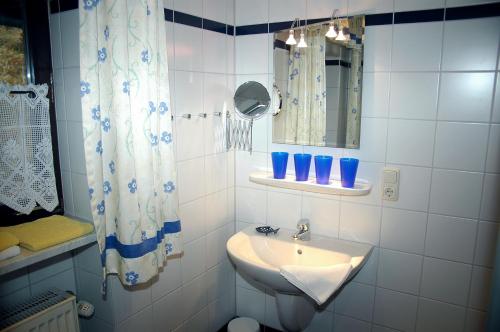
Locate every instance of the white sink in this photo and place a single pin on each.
(260, 257)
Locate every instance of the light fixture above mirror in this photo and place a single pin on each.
(338, 30)
(302, 42)
(332, 29)
(291, 34)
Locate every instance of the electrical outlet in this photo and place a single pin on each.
(390, 187)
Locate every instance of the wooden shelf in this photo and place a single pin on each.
(361, 187)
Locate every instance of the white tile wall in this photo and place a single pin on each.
(493, 157)
(410, 142)
(450, 238)
(481, 283)
(402, 82)
(375, 94)
(490, 209)
(436, 316)
(403, 230)
(449, 197)
(486, 242)
(395, 310)
(414, 95)
(379, 46)
(323, 8)
(452, 139)
(456, 57)
(406, 5)
(356, 300)
(20, 285)
(359, 222)
(465, 96)
(445, 280)
(427, 110)
(399, 271)
(409, 42)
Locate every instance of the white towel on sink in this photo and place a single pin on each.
(319, 282)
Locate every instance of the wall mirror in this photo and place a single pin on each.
(320, 84)
(251, 100)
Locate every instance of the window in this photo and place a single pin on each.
(25, 57)
(12, 58)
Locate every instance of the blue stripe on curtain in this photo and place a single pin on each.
(146, 246)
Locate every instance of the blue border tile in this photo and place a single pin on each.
(378, 19)
(478, 11)
(419, 16)
(187, 19)
(252, 29)
(278, 26)
(214, 26)
(169, 14)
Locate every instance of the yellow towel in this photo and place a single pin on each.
(7, 240)
(47, 232)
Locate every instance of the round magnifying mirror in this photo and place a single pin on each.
(252, 100)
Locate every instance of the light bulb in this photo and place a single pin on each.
(331, 33)
(302, 41)
(291, 38)
(340, 36)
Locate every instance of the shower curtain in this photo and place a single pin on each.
(305, 121)
(128, 136)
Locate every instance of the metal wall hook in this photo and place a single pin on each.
(202, 115)
(217, 113)
(186, 116)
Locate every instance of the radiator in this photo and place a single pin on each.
(51, 311)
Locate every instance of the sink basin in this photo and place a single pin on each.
(260, 257)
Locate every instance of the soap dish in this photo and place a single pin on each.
(266, 230)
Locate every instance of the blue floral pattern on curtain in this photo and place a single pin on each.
(305, 100)
(128, 136)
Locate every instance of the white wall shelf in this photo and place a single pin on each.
(361, 187)
(28, 257)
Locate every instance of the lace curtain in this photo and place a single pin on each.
(26, 164)
(128, 136)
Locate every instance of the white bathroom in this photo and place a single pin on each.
(244, 166)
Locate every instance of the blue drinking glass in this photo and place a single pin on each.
(323, 165)
(302, 164)
(280, 160)
(348, 170)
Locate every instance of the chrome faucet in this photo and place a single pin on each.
(303, 230)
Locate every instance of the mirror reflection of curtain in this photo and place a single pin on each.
(354, 88)
(306, 96)
(354, 100)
